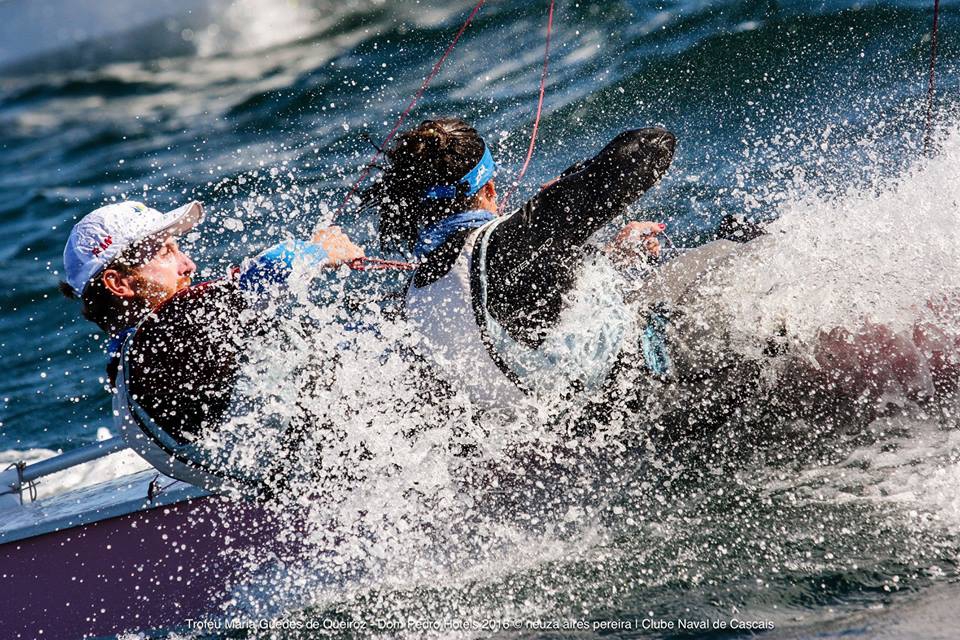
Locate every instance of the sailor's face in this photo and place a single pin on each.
(166, 271)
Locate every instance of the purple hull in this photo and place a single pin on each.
(152, 568)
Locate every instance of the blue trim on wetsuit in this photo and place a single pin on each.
(113, 347)
(437, 233)
(274, 265)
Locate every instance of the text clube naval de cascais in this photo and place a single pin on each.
(484, 624)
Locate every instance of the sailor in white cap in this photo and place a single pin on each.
(123, 261)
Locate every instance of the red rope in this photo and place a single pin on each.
(931, 84)
(378, 264)
(536, 121)
(413, 101)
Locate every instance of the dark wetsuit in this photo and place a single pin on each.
(184, 357)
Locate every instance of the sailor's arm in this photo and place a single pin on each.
(590, 193)
(533, 255)
(329, 247)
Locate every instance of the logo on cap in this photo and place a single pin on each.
(106, 242)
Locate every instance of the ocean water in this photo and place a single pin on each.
(809, 115)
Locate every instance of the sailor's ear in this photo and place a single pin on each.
(118, 284)
(489, 189)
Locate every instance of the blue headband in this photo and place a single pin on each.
(478, 176)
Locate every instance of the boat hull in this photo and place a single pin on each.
(155, 567)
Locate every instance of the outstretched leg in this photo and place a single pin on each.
(533, 256)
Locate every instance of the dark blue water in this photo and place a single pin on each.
(260, 110)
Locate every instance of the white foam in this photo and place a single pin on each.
(859, 285)
(880, 252)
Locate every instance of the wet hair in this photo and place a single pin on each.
(102, 307)
(435, 152)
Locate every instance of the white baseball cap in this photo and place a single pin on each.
(103, 234)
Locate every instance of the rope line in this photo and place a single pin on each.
(379, 264)
(536, 121)
(410, 105)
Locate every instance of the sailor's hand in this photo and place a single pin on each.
(340, 249)
(637, 240)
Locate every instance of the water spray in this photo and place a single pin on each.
(931, 83)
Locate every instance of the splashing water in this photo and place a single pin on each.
(409, 502)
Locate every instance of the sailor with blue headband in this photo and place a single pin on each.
(487, 297)
(470, 185)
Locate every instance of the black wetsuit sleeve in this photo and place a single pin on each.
(533, 256)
